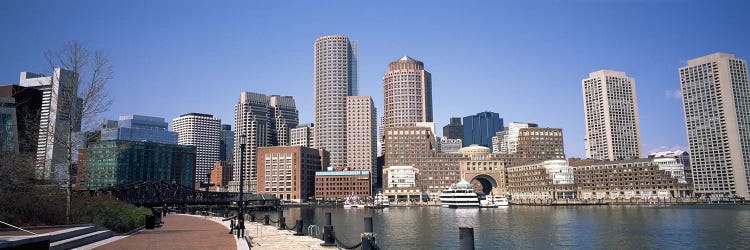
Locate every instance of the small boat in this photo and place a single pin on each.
(459, 195)
(490, 201)
(380, 201)
(353, 201)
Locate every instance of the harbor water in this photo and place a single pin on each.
(539, 227)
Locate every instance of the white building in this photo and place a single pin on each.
(335, 78)
(204, 132)
(400, 177)
(54, 121)
(682, 157)
(446, 145)
(716, 101)
(611, 112)
(511, 136)
(303, 135)
(362, 134)
(560, 172)
(498, 142)
(674, 168)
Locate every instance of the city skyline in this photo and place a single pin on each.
(504, 72)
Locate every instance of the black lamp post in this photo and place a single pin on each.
(241, 202)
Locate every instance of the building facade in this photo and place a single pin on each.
(401, 183)
(716, 103)
(538, 144)
(337, 185)
(446, 145)
(551, 179)
(289, 172)
(362, 133)
(480, 128)
(626, 179)
(110, 163)
(511, 135)
(303, 135)
(204, 132)
(284, 118)
(611, 115)
(454, 129)
(20, 109)
(138, 128)
(58, 100)
(483, 170)
(407, 94)
(226, 143)
(335, 78)
(220, 176)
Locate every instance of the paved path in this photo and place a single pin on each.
(179, 232)
(269, 237)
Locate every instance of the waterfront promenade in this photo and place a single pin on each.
(270, 237)
(179, 232)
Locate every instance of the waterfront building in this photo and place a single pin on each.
(407, 94)
(303, 135)
(289, 172)
(337, 185)
(483, 170)
(110, 163)
(638, 178)
(454, 129)
(257, 116)
(58, 99)
(611, 112)
(511, 135)
(401, 183)
(716, 101)
(479, 128)
(138, 128)
(537, 144)
(226, 143)
(204, 132)
(362, 134)
(446, 145)
(498, 142)
(20, 108)
(220, 176)
(335, 78)
(681, 157)
(416, 146)
(550, 179)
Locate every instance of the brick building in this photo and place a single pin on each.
(289, 172)
(551, 179)
(338, 185)
(221, 175)
(640, 178)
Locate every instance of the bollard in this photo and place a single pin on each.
(252, 217)
(282, 223)
(298, 226)
(328, 239)
(231, 227)
(267, 220)
(466, 238)
(368, 238)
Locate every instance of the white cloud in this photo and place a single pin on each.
(673, 94)
(668, 148)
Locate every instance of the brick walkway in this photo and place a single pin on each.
(179, 232)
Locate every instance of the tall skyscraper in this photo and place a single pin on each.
(303, 135)
(716, 100)
(480, 128)
(226, 144)
(335, 78)
(285, 118)
(204, 132)
(454, 130)
(54, 121)
(362, 134)
(256, 116)
(611, 111)
(407, 94)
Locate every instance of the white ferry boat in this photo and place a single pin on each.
(381, 201)
(353, 201)
(492, 201)
(459, 195)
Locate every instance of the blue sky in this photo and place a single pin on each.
(522, 59)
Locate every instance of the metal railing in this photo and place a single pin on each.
(18, 228)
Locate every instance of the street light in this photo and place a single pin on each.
(241, 202)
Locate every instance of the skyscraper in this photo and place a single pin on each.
(303, 135)
(257, 116)
(407, 94)
(362, 134)
(716, 101)
(611, 111)
(226, 144)
(454, 130)
(480, 128)
(204, 132)
(138, 128)
(335, 78)
(55, 119)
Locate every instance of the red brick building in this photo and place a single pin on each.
(340, 184)
(289, 172)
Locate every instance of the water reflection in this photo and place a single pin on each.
(605, 227)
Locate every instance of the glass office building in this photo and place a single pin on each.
(138, 128)
(480, 128)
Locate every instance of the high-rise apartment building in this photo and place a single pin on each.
(335, 78)
(716, 101)
(226, 144)
(285, 117)
(480, 128)
(256, 117)
(303, 135)
(454, 130)
(58, 101)
(407, 94)
(362, 134)
(611, 111)
(204, 132)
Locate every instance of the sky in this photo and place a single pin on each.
(522, 59)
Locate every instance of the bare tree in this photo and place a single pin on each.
(81, 98)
